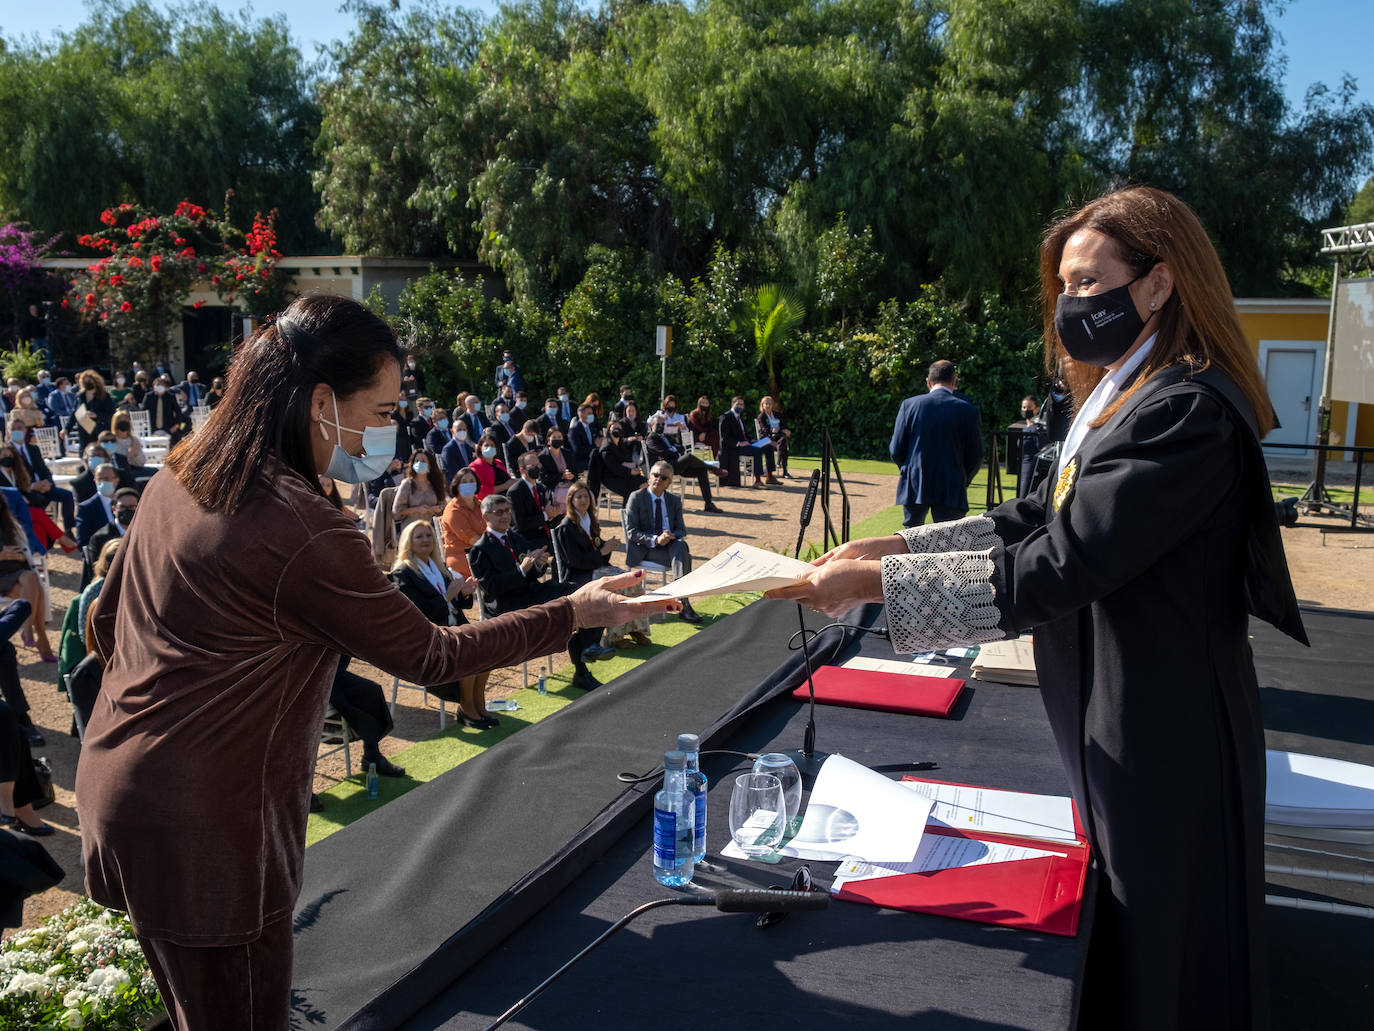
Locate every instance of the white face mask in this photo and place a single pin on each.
(421, 468)
(379, 445)
(489, 452)
(460, 435)
(467, 490)
(161, 388)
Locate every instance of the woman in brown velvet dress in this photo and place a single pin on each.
(221, 623)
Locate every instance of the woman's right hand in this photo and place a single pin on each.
(866, 550)
(11, 552)
(597, 605)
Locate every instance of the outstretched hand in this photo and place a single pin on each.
(836, 587)
(597, 604)
(867, 550)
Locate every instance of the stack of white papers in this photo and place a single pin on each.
(1313, 791)
(1009, 662)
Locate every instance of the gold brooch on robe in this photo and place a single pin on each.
(1065, 484)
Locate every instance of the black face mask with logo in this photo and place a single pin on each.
(1097, 329)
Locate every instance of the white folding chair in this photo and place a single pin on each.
(46, 436)
(397, 683)
(336, 726)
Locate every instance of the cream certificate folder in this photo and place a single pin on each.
(740, 567)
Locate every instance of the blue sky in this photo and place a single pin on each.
(1322, 38)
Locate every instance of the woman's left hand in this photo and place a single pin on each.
(836, 587)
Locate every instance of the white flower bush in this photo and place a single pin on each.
(82, 968)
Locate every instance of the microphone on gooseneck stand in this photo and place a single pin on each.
(808, 760)
(733, 900)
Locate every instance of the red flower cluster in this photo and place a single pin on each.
(155, 263)
(139, 228)
(188, 210)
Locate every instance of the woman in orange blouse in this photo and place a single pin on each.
(462, 521)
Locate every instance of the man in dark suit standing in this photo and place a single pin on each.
(654, 530)
(938, 445)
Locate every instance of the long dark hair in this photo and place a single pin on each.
(266, 409)
(435, 476)
(1197, 325)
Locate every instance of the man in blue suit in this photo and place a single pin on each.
(938, 444)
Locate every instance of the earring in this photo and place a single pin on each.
(1152, 305)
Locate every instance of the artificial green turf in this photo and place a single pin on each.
(442, 751)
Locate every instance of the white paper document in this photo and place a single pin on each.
(998, 812)
(856, 812)
(740, 567)
(939, 852)
(902, 666)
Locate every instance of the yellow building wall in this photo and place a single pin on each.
(1259, 326)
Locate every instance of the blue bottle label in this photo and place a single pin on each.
(665, 838)
(699, 831)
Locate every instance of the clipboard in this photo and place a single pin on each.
(1044, 894)
(885, 692)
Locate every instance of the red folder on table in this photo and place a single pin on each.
(887, 692)
(1042, 894)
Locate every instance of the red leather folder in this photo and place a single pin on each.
(887, 692)
(1044, 894)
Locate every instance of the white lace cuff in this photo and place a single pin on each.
(976, 533)
(940, 601)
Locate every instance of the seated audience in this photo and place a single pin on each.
(551, 419)
(490, 470)
(500, 427)
(441, 594)
(662, 448)
(459, 451)
(164, 414)
(18, 580)
(128, 447)
(531, 502)
(510, 572)
(22, 467)
(124, 504)
(635, 427)
(421, 494)
(703, 427)
(27, 409)
(674, 422)
(97, 511)
(524, 442)
(363, 705)
(19, 787)
(556, 471)
(472, 416)
(216, 392)
(462, 521)
(583, 555)
(654, 529)
(618, 469)
(736, 439)
(769, 426)
(627, 396)
(83, 486)
(583, 439)
(71, 643)
(438, 436)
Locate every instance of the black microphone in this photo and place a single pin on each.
(808, 761)
(730, 900)
(808, 506)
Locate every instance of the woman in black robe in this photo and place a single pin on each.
(1135, 564)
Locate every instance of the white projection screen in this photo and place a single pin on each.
(1352, 354)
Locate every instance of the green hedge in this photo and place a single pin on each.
(603, 335)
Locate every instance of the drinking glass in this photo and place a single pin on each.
(758, 813)
(782, 767)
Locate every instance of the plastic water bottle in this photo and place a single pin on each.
(371, 780)
(543, 685)
(690, 745)
(673, 812)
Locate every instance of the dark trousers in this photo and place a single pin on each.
(675, 556)
(916, 514)
(691, 465)
(66, 501)
(10, 686)
(16, 760)
(227, 987)
(363, 706)
(729, 461)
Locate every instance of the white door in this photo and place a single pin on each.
(1291, 376)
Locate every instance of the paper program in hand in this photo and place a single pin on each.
(740, 567)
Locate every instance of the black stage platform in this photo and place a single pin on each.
(451, 902)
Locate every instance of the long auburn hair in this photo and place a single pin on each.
(571, 514)
(266, 409)
(1197, 324)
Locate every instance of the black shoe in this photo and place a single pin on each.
(385, 768)
(712, 508)
(585, 682)
(689, 614)
(477, 722)
(41, 831)
(35, 738)
(316, 803)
